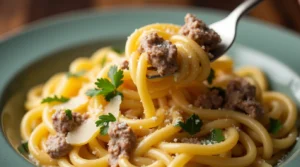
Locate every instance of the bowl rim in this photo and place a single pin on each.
(76, 16)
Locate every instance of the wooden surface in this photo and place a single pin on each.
(16, 13)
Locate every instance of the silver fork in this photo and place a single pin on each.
(226, 28)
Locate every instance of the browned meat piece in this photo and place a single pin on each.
(56, 146)
(121, 143)
(197, 30)
(62, 123)
(162, 54)
(125, 65)
(241, 97)
(211, 100)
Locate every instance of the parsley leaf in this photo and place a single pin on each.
(23, 148)
(104, 130)
(55, 98)
(105, 86)
(211, 76)
(192, 125)
(69, 114)
(216, 135)
(103, 121)
(116, 76)
(275, 126)
(93, 92)
(108, 88)
(109, 96)
(75, 75)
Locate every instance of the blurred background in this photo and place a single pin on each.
(14, 14)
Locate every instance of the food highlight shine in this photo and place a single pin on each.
(106, 112)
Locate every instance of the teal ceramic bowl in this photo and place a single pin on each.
(46, 47)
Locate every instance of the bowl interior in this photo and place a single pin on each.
(280, 77)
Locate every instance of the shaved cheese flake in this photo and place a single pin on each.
(113, 106)
(88, 130)
(84, 133)
(74, 104)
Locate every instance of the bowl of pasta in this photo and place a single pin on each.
(76, 90)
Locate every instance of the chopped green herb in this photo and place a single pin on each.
(116, 76)
(108, 88)
(120, 51)
(55, 99)
(103, 121)
(274, 126)
(75, 75)
(93, 92)
(211, 76)
(103, 61)
(23, 148)
(192, 125)
(104, 130)
(216, 135)
(69, 114)
(222, 91)
(105, 85)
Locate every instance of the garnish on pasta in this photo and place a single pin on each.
(192, 125)
(69, 114)
(55, 99)
(23, 148)
(108, 88)
(211, 76)
(216, 135)
(275, 126)
(104, 121)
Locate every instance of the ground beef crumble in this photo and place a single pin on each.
(62, 123)
(197, 30)
(125, 65)
(210, 100)
(56, 146)
(240, 96)
(121, 143)
(162, 54)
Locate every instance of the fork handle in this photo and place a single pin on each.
(243, 8)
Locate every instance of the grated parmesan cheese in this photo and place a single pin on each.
(154, 118)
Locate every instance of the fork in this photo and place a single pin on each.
(226, 28)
